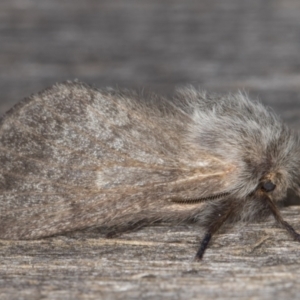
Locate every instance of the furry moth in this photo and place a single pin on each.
(74, 157)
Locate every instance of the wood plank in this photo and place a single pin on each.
(256, 260)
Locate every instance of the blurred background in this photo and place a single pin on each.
(154, 44)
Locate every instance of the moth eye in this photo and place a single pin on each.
(268, 186)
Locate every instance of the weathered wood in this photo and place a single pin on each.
(218, 45)
(249, 260)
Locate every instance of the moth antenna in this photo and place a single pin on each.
(274, 210)
(198, 200)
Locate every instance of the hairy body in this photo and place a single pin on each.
(74, 157)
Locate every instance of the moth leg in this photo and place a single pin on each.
(203, 246)
(216, 219)
(280, 220)
(132, 226)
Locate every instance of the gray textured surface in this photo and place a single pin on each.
(219, 45)
(255, 261)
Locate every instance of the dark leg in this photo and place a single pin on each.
(280, 220)
(217, 218)
(203, 246)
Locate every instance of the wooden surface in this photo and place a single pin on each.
(218, 45)
(249, 261)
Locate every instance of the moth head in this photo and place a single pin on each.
(272, 166)
(249, 136)
(274, 185)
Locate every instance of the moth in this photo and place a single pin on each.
(74, 157)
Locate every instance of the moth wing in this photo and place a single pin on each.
(74, 157)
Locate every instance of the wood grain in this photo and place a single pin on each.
(249, 260)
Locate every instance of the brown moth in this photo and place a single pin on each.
(74, 157)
